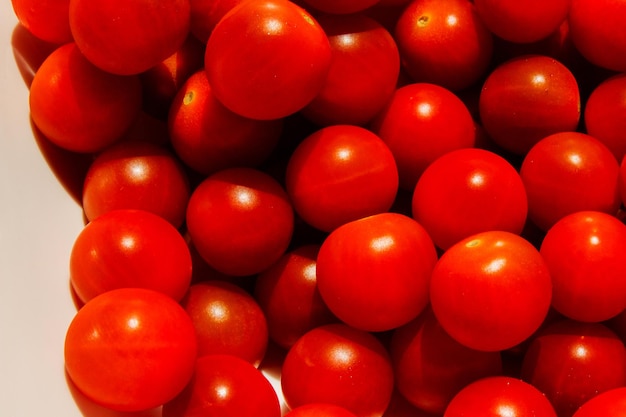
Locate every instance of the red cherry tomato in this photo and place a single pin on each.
(374, 273)
(343, 7)
(130, 248)
(128, 37)
(227, 321)
(225, 386)
(80, 107)
(206, 13)
(585, 254)
(443, 42)
(340, 365)
(363, 73)
(491, 291)
(527, 98)
(208, 137)
(137, 175)
(319, 409)
(611, 403)
(47, 20)
(468, 191)
(591, 356)
(431, 367)
(523, 22)
(240, 220)
(500, 396)
(130, 349)
(596, 27)
(277, 41)
(339, 174)
(603, 114)
(569, 172)
(420, 123)
(288, 294)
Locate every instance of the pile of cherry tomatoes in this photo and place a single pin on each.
(415, 205)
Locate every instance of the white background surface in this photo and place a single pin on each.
(38, 224)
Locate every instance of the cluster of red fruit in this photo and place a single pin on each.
(418, 202)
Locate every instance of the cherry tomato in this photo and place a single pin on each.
(374, 273)
(603, 114)
(523, 22)
(568, 172)
(162, 81)
(288, 294)
(208, 137)
(206, 13)
(500, 396)
(420, 123)
(596, 27)
(468, 191)
(227, 321)
(430, 367)
(363, 73)
(611, 403)
(130, 349)
(342, 7)
(340, 365)
(80, 107)
(225, 386)
(240, 220)
(443, 42)
(277, 41)
(585, 254)
(319, 409)
(571, 362)
(130, 248)
(491, 291)
(47, 20)
(137, 175)
(527, 98)
(339, 174)
(129, 37)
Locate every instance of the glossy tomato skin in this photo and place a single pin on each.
(468, 191)
(128, 37)
(227, 320)
(78, 106)
(363, 72)
(339, 174)
(491, 291)
(278, 41)
(596, 32)
(130, 248)
(47, 20)
(443, 42)
(206, 13)
(137, 175)
(430, 367)
(340, 365)
(611, 403)
(523, 22)
(288, 294)
(320, 409)
(130, 349)
(421, 122)
(585, 254)
(568, 172)
(603, 114)
(208, 137)
(240, 220)
(527, 98)
(225, 386)
(572, 362)
(374, 273)
(500, 396)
